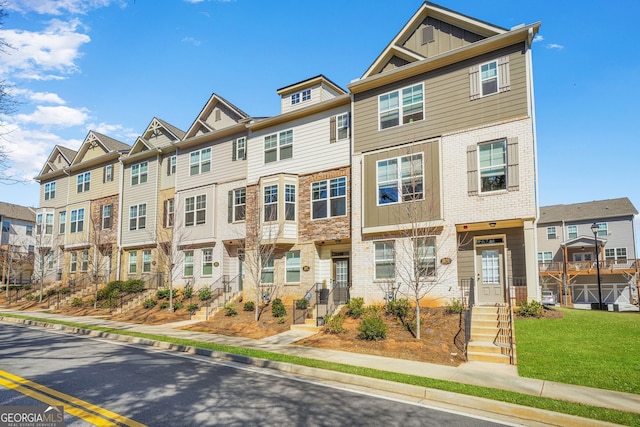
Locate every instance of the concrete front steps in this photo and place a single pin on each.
(308, 325)
(68, 299)
(484, 331)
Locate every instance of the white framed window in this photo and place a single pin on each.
(138, 217)
(492, 158)
(292, 265)
(207, 262)
(425, 256)
(342, 126)
(400, 176)
(62, 218)
(146, 261)
(172, 165)
(551, 233)
(188, 264)
(29, 230)
(239, 204)
(38, 225)
(278, 146)
(616, 254)
(49, 224)
(239, 149)
(295, 98)
(133, 262)
(200, 161)
(107, 213)
(85, 260)
(545, 257)
(603, 229)
(108, 173)
(270, 203)
(50, 260)
(139, 173)
(329, 198)
(169, 212)
(406, 103)
(268, 271)
(50, 191)
(289, 202)
(306, 95)
(298, 97)
(384, 259)
(572, 231)
(83, 182)
(73, 266)
(76, 225)
(195, 210)
(489, 78)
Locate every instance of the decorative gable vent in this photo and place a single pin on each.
(427, 34)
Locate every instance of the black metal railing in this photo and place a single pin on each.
(300, 314)
(327, 299)
(223, 291)
(467, 299)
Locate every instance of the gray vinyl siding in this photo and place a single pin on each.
(136, 195)
(392, 214)
(448, 107)
(98, 188)
(166, 181)
(446, 37)
(62, 190)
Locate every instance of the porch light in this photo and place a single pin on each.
(594, 230)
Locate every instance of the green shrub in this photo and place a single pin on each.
(454, 306)
(50, 292)
(27, 288)
(178, 305)
(187, 292)
(77, 302)
(372, 327)
(399, 308)
(302, 304)
(204, 294)
(164, 304)
(277, 308)
(334, 324)
(149, 303)
(65, 291)
(165, 293)
(230, 310)
(355, 307)
(192, 308)
(530, 309)
(133, 286)
(30, 297)
(249, 306)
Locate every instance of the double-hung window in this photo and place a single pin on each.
(38, 225)
(278, 146)
(617, 254)
(329, 198)
(195, 210)
(545, 257)
(342, 126)
(108, 173)
(572, 231)
(73, 267)
(62, 219)
(207, 262)
(29, 230)
(289, 202)
(169, 209)
(84, 182)
(188, 263)
(425, 256)
(489, 78)
(270, 203)
(138, 217)
(172, 165)
(292, 267)
(49, 224)
(400, 176)
(76, 224)
(200, 161)
(551, 233)
(268, 270)
(146, 261)
(602, 229)
(85, 260)
(384, 259)
(107, 212)
(133, 262)
(239, 204)
(50, 191)
(407, 103)
(50, 260)
(493, 166)
(139, 173)
(239, 149)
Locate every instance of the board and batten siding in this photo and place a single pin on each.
(136, 195)
(312, 149)
(446, 37)
(448, 106)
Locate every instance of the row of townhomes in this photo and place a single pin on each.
(17, 243)
(423, 170)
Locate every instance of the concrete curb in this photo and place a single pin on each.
(423, 393)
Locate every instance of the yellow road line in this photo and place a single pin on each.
(79, 409)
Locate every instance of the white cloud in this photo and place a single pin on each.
(119, 132)
(36, 54)
(191, 40)
(554, 46)
(38, 97)
(538, 38)
(58, 7)
(58, 116)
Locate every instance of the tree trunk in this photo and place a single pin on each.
(417, 318)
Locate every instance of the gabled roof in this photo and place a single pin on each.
(200, 121)
(50, 165)
(320, 78)
(157, 127)
(427, 9)
(108, 144)
(9, 210)
(596, 210)
(581, 241)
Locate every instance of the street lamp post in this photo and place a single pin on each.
(594, 229)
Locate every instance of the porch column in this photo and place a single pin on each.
(531, 261)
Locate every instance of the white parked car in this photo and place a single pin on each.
(548, 298)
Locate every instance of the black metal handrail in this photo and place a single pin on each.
(328, 299)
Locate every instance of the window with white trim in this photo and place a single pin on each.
(239, 204)
(133, 262)
(76, 225)
(406, 103)
(384, 260)
(298, 97)
(615, 254)
(138, 217)
(329, 198)
(107, 212)
(188, 263)
(207, 262)
(139, 173)
(62, 218)
(295, 98)
(84, 266)
(200, 161)
(278, 146)
(551, 233)
(239, 149)
(38, 225)
(400, 176)
(195, 210)
(50, 191)
(572, 231)
(493, 166)
(425, 256)
(603, 230)
(545, 257)
(268, 271)
(108, 173)
(169, 209)
(50, 260)
(73, 266)
(29, 231)
(342, 126)
(270, 203)
(83, 182)
(146, 261)
(489, 78)
(306, 95)
(289, 202)
(292, 266)
(49, 224)
(172, 167)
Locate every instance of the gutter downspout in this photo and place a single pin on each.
(120, 222)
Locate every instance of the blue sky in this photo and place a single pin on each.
(113, 65)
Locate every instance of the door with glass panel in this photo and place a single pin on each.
(341, 278)
(490, 274)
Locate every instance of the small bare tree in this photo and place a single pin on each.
(102, 236)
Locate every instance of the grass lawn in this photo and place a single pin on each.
(590, 348)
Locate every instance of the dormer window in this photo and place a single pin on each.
(298, 97)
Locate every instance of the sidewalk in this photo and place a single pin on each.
(492, 375)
